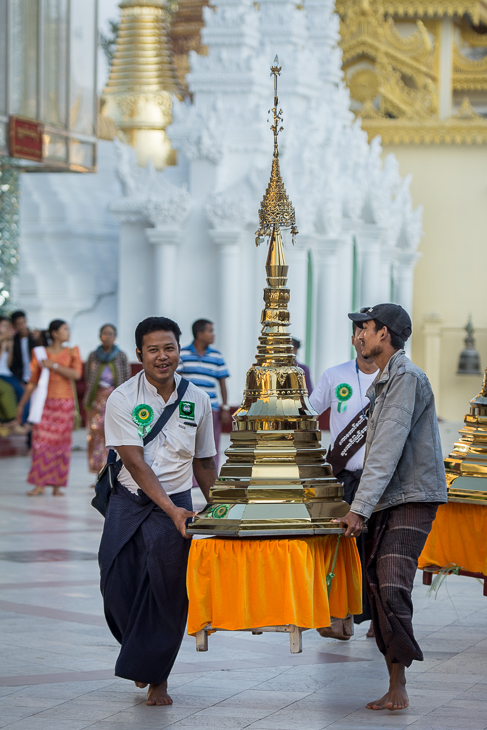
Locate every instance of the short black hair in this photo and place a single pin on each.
(2, 318)
(155, 324)
(17, 315)
(296, 343)
(396, 342)
(108, 324)
(199, 326)
(355, 327)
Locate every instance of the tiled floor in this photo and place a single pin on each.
(57, 656)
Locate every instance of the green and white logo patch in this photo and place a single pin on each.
(186, 410)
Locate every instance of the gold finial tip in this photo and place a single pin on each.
(276, 69)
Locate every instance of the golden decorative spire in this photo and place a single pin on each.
(142, 77)
(275, 480)
(276, 209)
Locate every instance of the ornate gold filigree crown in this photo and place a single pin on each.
(276, 209)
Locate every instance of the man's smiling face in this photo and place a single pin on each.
(159, 356)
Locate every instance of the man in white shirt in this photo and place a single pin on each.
(343, 389)
(144, 547)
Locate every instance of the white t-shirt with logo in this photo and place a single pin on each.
(187, 434)
(339, 389)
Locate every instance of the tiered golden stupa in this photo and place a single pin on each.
(466, 466)
(185, 33)
(276, 480)
(142, 77)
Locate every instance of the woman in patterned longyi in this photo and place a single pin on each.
(51, 436)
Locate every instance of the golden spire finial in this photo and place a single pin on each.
(276, 210)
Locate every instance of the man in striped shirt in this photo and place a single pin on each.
(204, 366)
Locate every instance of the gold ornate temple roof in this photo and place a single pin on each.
(142, 78)
(410, 68)
(185, 34)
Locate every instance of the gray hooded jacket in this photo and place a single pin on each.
(403, 459)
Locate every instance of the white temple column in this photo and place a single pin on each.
(326, 282)
(229, 308)
(135, 277)
(432, 352)
(372, 285)
(404, 280)
(165, 277)
(297, 259)
(404, 275)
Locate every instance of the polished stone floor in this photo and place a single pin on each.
(57, 656)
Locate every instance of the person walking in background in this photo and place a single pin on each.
(107, 367)
(343, 389)
(55, 368)
(205, 367)
(24, 343)
(307, 374)
(8, 410)
(6, 357)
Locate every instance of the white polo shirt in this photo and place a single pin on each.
(170, 454)
(326, 395)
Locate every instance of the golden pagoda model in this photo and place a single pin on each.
(466, 466)
(275, 480)
(142, 77)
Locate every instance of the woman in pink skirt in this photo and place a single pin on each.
(55, 368)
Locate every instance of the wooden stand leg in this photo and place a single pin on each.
(427, 578)
(485, 586)
(202, 640)
(296, 640)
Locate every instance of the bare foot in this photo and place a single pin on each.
(379, 704)
(370, 633)
(335, 631)
(56, 492)
(157, 695)
(397, 697)
(35, 492)
(140, 685)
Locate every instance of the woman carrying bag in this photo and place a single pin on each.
(55, 369)
(106, 368)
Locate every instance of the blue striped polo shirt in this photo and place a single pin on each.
(203, 370)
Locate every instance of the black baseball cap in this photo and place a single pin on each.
(395, 318)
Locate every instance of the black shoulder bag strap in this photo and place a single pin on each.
(167, 412)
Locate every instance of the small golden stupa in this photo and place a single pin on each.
(466, 466)
(275, 480)
(142, 77)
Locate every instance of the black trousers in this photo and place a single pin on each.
(143, 561)
(350, 481)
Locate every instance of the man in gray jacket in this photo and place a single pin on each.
(402, 484)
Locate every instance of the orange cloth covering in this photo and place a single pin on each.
(246, 583)
(458, 535)
(59, 387)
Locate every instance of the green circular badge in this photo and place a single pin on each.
(143, 416)
(219, 511)
(343, 392)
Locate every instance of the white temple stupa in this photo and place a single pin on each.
(184, 247)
